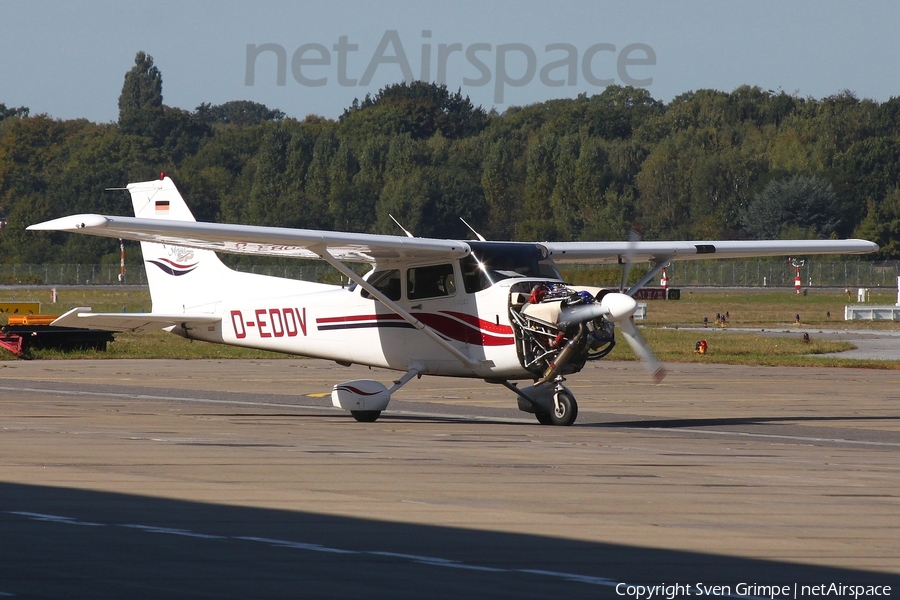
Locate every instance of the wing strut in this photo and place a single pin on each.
(406, 316)
(661, 263)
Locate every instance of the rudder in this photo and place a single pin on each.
(181, 279)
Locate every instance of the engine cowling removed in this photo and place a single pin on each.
(559, 328)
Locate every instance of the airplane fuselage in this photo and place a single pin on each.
(340, 324)
(493, 310)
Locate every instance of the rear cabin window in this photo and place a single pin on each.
(430, 282)
(386, 282)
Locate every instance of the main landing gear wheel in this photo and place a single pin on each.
(366, 416)
(565, 409)
(544, 418)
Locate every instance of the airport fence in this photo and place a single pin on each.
(701, 273)
(80, 274)
(781, 273)
(762, 272)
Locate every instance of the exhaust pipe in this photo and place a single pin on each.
(563, 358)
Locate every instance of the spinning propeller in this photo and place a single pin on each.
(619, 308)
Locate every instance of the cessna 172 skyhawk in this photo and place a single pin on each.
(497, 311)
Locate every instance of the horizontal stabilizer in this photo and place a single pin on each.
(132, 322)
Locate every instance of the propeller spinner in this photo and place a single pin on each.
(618, 308)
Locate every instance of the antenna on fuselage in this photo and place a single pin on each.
(408, 234)
(472, 229)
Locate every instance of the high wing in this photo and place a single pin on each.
(616, 252)
(192, 290)
(362, 247)
(266, 241)
(131, 322)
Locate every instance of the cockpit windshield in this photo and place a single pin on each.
(491, 262)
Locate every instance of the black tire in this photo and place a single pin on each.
(567, 412)
(544, 418)
(366, 416)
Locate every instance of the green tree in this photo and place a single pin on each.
(568, 219)
(610, 217)
(882, 224)
(538, 222)
(218, 179)
(237, 112)
(867, 172)
(318, 184)
(721, 186)
(617, 112)
(140, 103)
(5, 113)
(456, 193)
(799, 206)
(418, 108)
(369, 181)
(267, 202)
(405, 196)
(663, 184)
(342, 196)
(498, 184)
(708, 164)
(603, 212)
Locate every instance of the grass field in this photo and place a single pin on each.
(746, 309)
(767, 308)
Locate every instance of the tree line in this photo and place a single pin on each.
(750, 163)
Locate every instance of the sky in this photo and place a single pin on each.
(69, 59)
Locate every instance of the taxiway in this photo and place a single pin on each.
(236, 479)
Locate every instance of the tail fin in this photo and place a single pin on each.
(181, 279)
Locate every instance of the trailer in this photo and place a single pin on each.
(27, 332)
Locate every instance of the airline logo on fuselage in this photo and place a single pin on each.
(179, 253)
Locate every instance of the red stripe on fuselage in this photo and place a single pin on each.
(462, 332)
(480, 323)
(350, 319)
(454, 325)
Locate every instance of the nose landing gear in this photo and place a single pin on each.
(565, 409)
(550, 403)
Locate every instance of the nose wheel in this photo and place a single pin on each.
(366, 416)
(551, 404)
(564, 411)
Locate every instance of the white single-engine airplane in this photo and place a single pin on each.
(497, 311)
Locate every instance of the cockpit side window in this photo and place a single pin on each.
(430, 282)
(386, 282)
(474, 274)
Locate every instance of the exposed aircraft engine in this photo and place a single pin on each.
(559, 328)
